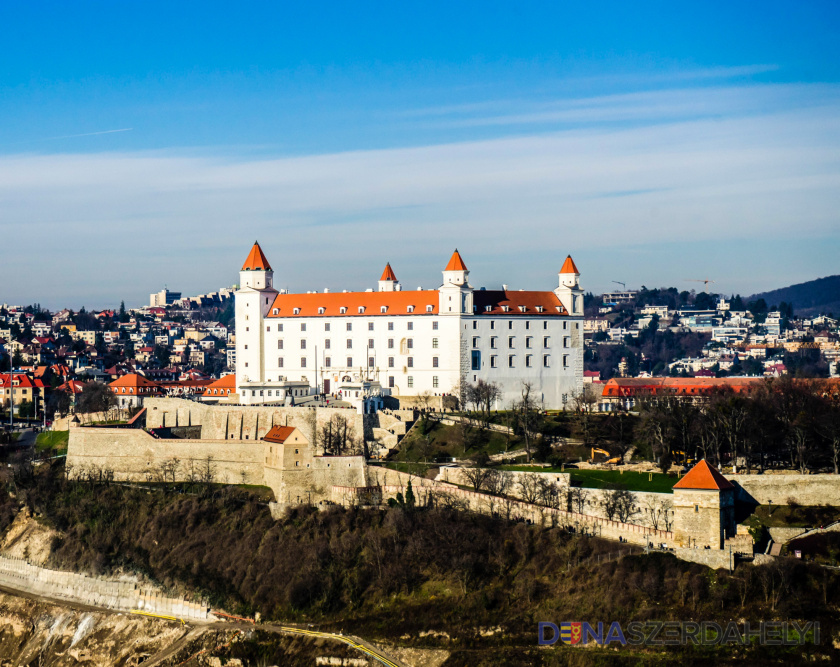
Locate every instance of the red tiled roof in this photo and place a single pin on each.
(455, 262)
(704, 476)
(388, 273)
(256, 260)
(226, 382)
(134, 380)
(569, 266)
(279, 434)
(72, 387)
(397, 303)
(676, 386)
(24, 381)
(497, 300)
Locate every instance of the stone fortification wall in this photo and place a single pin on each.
(647, 502)
(777, 489)
(121, 595)
(392, 482)
(314, 483)
(134, 455)
(714, 558)
(246, 422)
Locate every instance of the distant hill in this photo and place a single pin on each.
(811, 298)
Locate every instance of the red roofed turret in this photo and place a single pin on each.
(569, 266)
(388, 273)
(256, 260)
(455, 262)
(705, 477)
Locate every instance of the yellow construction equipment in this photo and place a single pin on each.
(595, 450)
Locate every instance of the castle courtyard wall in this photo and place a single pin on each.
(822, 489)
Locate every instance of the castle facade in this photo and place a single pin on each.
(408, 342)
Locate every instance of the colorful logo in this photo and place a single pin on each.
(570, 633)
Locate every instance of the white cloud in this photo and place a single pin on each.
(105, 226)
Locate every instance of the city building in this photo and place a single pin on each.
(410, 342)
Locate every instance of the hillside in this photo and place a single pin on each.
(812, 298)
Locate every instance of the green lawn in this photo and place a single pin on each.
(52, 440)
(406, 467)
(448, 441)
(600, 479)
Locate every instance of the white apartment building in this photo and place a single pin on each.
(436, 340)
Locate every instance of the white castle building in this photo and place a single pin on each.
(410, 342)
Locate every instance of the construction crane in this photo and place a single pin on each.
(618, 282)
(705, 282)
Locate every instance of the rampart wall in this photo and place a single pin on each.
(135, 455)
(769, 489)
(121, 595)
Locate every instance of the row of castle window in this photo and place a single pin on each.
(409, 343)
(529, 341)
(527, 324)
(511, 361)
(349, 326)
(409, 362)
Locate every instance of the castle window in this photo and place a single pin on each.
(410, 326)
(279, 327)
(302, 343)
(409, 343)
(297, 463)
(321, 310)
(434, 326)
(510, 361)
(435, 381)
(409, 362)
(370, 362)
(493, 340)
(280, 344)
(268, 328)
(697, 508)
(370, 343)
(370, 326)
(434, 343)
(390, 343)
(566, 341)
(390, 326)
(349, 326)
(390, 362)
(349, 362)
(565, 324)
(327, 344)
(434, 362)
(383, 309)
(429, 309)
(546, 360)
(349, 343)
(296, 451)
(528, 340)
(565, 361)
(303, 326)
(327, 362)
(521, 309)
(296, 311)
(546, 342)
(476, 360)
(361, 310)
(494, 361)
(540, 309)
(506, 309)
(511, 341)
(326, 326)
(410, 381)
(303, 362)
(528, 358)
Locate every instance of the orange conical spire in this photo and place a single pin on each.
(455, 262)
(388, 273)
(256, 260)
(569, 266)
(703, 476)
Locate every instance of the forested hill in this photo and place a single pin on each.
(811, 298)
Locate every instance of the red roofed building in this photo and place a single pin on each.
(20, 387)
(131, 389)
(704, 508)
(410, 342)
(624, 393)
(223, 389)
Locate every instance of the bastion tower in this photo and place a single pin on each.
(254, 297)
(704, 508)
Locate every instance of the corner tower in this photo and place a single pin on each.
(456, 292)
(569, 291)
(704, 508)
(254, 297)
(388, 282)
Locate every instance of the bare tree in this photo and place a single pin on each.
(619, 504)
(477, 476)
(528, 487)
(528, 416)
(337, 436)
(576, 499)
(498, 482)
(584, 403)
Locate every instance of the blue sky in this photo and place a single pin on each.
(144, 144)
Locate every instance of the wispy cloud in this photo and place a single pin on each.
(128, 222)
(72, 136)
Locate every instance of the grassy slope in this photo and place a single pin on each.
(52, 440)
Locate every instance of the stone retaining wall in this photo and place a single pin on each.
(714, 558)
(120, 595)
(769, 489)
